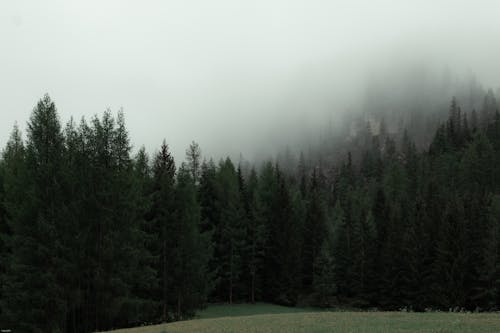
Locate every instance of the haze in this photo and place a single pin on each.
(237, 77)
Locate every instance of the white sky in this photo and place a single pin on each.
(236, 76)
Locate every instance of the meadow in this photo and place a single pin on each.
(266, 318)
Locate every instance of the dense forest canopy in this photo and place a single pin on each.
(94, 236)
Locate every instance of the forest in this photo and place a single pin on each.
(96, 235)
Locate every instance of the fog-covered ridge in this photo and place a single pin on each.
(241, 77)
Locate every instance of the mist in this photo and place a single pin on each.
(239, 77)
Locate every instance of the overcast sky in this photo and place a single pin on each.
(232, 75)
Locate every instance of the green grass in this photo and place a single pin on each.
(266, 318)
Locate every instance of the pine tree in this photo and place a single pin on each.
(255, 238)
(229, 232)
(13, 172)
(482, 248)
(145, 275)
(314, 228)
(4, 232)
(454, 124)
(488, 110)
(35, 290)
(163, 224)
(282, 263)
(77, 190)
(193, 158)
(191, 253)
(207, 196)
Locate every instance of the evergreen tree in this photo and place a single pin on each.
(282, 263)
(255, 238)
(144, 277)
(191, 253)
(314, 228)
(13, 171)
(163, 224)
(35, 290)
(229, 232)
(77, 190)
(193, 158)
(207, 196)
(488, 110)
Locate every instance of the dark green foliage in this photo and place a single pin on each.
(255, 239)
(315, 227)
(80, 243)
(191, 252)
(324, 285)
(282, 263)
(13, 205)
(163, 224)
(229, 233)
(93, 239)
(40, 242)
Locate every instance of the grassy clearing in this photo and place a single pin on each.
(251, 319)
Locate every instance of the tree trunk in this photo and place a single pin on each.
(164, 281)
(252, 297)
(178, 306)
(231, 291)
(231, 277)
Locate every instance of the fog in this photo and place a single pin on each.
(236, 76)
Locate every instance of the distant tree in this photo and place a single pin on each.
(439, 144)
(193, 158)
(302, 175)
(473, 121)
(454, 125)
(488, 110)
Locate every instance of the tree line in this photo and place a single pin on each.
(94, 237)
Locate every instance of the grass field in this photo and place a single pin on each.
(266, 318)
